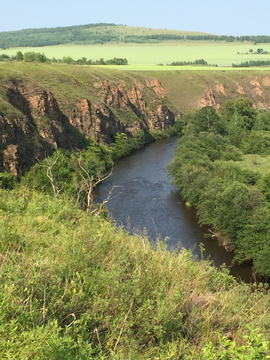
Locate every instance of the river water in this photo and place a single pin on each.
(144, 200)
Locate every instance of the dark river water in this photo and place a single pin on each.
(144, 200)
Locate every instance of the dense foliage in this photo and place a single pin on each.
(256, 39)
(54, 36)
(184, 63)
(32, 56)
(233, 200)
(252, 63)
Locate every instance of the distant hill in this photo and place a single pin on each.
(88, 34)
(104, 33)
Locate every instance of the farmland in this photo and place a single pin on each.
(147, 56)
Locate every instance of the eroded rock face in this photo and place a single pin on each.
(258, 90)
(266, 80)
(43, 124)
(221, 89)
(209, 99)
(255, 88)
(17, 146)
(157, 87)
(240, 89)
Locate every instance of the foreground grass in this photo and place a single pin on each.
(74, 287)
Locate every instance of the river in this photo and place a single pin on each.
(144, 200)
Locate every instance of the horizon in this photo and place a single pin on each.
(156, 28)
(235, 17)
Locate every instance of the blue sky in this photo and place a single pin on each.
(230, 17)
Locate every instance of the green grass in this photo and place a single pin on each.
(74, 287)
(184, 86)
(146, 56)
(255, 162)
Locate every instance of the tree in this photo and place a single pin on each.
(86, 186)
(19, 56)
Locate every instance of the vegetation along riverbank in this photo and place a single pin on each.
(210, 169)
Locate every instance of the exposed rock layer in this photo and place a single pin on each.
(39, 125)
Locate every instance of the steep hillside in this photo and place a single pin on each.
(45, 106)
(193, 89)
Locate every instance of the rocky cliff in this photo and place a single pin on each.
(257, 88)
(34, 118)
(189, 90)
(47, 106)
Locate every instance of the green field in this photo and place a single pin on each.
(147, 56)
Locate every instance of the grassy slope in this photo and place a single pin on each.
(128, 299)
(68, 83)
(140, 31)
(145, 55)
(185, 88)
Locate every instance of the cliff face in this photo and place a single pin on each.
(256, 87)
(35, 123)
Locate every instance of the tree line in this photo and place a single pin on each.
(231, 199)
(252, 63)
(185, 63)
(32, 56)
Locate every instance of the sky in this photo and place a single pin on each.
(230, 17)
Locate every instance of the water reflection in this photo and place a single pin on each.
(144, 198)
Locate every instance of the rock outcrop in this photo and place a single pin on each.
(208, 99)
(257, 87)
(221, 89)
(240, 89)
(40, 125)
(155, 84)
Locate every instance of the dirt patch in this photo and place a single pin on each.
(258, 90)
(266, 81)
(240, 89)
(221, 88)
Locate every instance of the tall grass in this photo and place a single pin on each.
(74, 287)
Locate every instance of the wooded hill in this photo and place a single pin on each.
(103, 33)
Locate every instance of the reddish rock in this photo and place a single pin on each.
(209, 99)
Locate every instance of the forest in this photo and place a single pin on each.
(217, 170)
